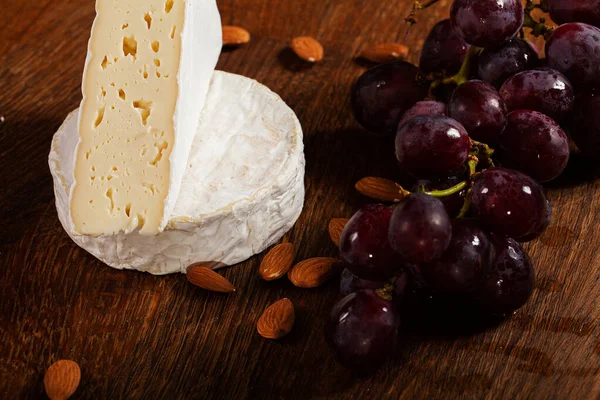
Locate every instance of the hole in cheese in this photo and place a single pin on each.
(109, 194)
(141, 221)
(169, 6)
(143, 107)
(157, 62)
(160, 148)
(104, 62)
(122, 94)
(173, 32)
(99, 117)
(130, 46)
(124, 26)
(155, 46)
(148, 19)
(128, 209)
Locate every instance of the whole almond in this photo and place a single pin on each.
(206, 278)
(307, 49)
(62, 379)
(385, 52)
(336, 226)
(277, 262)
(277, 320)
(235, 35)
(312, 272)
(381, 189)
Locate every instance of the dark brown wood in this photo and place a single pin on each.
(140, 336)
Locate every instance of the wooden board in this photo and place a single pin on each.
(141, 336)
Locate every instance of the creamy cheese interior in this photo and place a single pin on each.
(126, 127)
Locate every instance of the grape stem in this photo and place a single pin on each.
(466, 205)
(538, 28)
(462, 75)
(417, 6)
(450, 191)
(386, 291)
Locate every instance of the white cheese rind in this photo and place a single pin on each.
(242, 190)
(187, 34)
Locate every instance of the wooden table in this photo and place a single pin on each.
(140, 336)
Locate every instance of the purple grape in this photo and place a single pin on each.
(542, 228)
(464, 264)
(443, 50)
(495, 65)
(508, 202)
(362, 330)
(364, 244)
(420, 228)
(487, 23)
(574, 50)
(584, 124)
(431, 146)
(544, 90)
(383, 94)
(453, 203)
(510, 281)
(563, 11)
(480, 109)
(533, 143)
(350, 283)
(423, 108)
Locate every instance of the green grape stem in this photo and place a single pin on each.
(462, 75)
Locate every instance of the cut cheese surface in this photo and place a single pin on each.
(243, 186)
(142, 97)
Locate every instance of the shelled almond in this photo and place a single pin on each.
(312, 272)
(62, 379)
(277, 320)
(204, 277)
(385, 52)
(381, 189)
(277, 262)
(307, 48)
(235, 35)
(336, 226)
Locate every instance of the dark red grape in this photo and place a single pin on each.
(350, 283)
(508, 202)
(542, 228)
(510, 281)
(563, 11)
(364, 244)
(544, 90)
(362, 330)
(533, 143)
(431, 146)
(443, 50)
(453, 203)
(464, 264)
(383, 94)
(477, 105)
(423, 108)
(495, 65)
(574, 50)
(420, 228)
(487, 23)
(584, 124)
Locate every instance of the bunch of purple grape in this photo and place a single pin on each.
(479, 87)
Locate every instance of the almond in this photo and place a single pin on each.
(235, 36)
(381, 189)
(336, 226)
(307, 49)
(312, 272)
(277, 320)
(205, 278)
(385, 52)
(61, 379)
(277, 262)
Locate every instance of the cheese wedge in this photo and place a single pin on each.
(146, 77)
(243, 186)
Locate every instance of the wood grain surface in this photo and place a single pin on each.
(144, 337)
